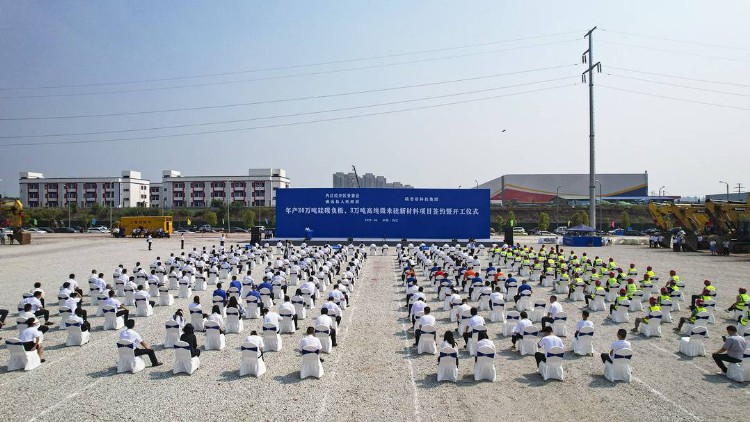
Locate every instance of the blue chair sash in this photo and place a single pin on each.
(326, 332)
(307, 352)
(182, 347)
(252, 349)
(586, 334)
(560, 318)
(555, 355)
(446, 355)
(486, 355)
(109, 311)
(622, 357)
(270, 329)
(212, 328)
(131, 346)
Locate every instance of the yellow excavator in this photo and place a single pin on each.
(13, 209)
(731, 220)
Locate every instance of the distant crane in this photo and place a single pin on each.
(356, 176)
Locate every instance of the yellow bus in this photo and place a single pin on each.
(160, 226)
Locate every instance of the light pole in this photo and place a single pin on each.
(557, 202)
(475, 181)
(660, 189)
(229, 196)
(601, 220)
(727, 188)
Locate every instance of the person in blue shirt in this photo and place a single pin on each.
(523, 287)
(490, 269)
(266, 284)
(510, 280)
(221, 293)
(236, 283)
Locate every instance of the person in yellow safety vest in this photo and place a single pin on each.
(597, 289)
(598, 262)
(646, 283)
(708, 292)
(664, 296)
(612, 264)
(632, 288)
(650, 273)
(632, 272)
(623, 296)
(537, 265)
(612, 282)
(576, 280)
(691, 319)
(564, 278)
(594, 278)
(653, 307)
(674, 277)
(742, 299)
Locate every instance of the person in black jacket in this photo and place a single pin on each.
(188, 336)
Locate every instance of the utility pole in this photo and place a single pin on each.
(592, 161)
(356, 176)
(739, 187)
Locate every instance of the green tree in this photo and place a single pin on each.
(577, 219)
(543, 221)
(210, 218)
(248, 218)
(624, 220)
(500, 222)
(512, 218)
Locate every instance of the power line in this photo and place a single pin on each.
(676, 40)
(267, 69)
(268, 78)
(314, 97)
(675, 98)
(678, 85)
(679, 77)
(331, 119)
(287, 115)
(666, 50)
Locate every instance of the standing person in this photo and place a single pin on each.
(222, 240)
(131, 335)
(182, 240)
(733, 349)
(149, 239)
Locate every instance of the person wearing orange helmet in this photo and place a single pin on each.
(741, 302)
(653, 307)
(622, 297)
(698, 308)
(597, 289)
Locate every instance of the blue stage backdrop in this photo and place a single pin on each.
(383, 213)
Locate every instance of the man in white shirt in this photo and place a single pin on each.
(325, 320)
(554, 308)
(120, 309)
(256, 341)
(517, 332)
(74, 284)
(270, 317)
(37, 308)
(334, 310)
(287, 305)
(130, 334)
(474, 321)
(310, 340)
(546, 343)
(584, 322)
(621, 343)
(31, 338)
(416, 308)
(424, 320)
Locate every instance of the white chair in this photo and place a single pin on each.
(234, 322)
(129, 297)
(666, 311)
(196, 318)
(652, 328)
(463, 321)
(559, 324)
(286, 325)
(497, 314)
(584, 344)
(21, 324)
(142, 307)
(311, 365)
(676, 299)
(710, 306)
(511, 320)
(252, 360)
(111, 320)
(621, 313)
(447, 365)
(323, 334)
(200, 283)
(219, 301)
(271, 337)
(552, 368)
(153, 288)
(578, 293)
(611, 295)
(65, 312)
(214, 339)
(636, 302)
(427, 340)
(184, 291)
(100, 305)
(119, 287)
(76, 336)
(511, 292)
(561, 287)
(524, 302)
(528, 343)
(619, 369)
(701, 320)
(307, 297)
(474, 339)
(128, 361)
(484, 364)
(174, 283)
(165, 298)
(693, 345)
(173, 333)
(19, 358)
(299, 307)
(265, 298)
(183, 362)
(540, 306)
(484, 301)
(252, 310)
(740, 372)
(94, 294)
(598, 303)
(61, 298)
(233, 292)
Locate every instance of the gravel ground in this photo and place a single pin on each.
(374, 374)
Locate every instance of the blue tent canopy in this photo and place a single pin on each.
(581, 228)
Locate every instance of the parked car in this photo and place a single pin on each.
(184, 231)
(97, 230)
(205, 229)
(519, 230)
(47, 229)
(65, 230)
(561, 230)
(34, 230)
(238, 230)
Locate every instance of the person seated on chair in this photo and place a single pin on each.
(334, 310)
(74, 284)
(31, 337)
(583, 322)
(621, 343)
(74, 302)
(77, 317)
(236, 304)
(739, 303)
(65, 289)
(448, 340)
(707, 293)
(325, 320)
(554, 308)
(179, 318)
(37, 308)
(618, 299)
(217, 318)
(474, 321)
(288, 306)
(417, 307)
(131, 335)
(425, 319)
(188, 336)
(732, 351)
(196, 305)
(256, 340)
(517, 332)
(236, 283)
(691, 319)
(547, 342)
(142, 293)
(120, 309)
(483, 340)
(310, 340)
(270, 317)
(221, 293)
(653, 306)
(522, 288)
(593, 295)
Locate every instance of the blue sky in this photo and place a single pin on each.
(687, 147)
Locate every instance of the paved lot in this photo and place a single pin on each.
(373, 375)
